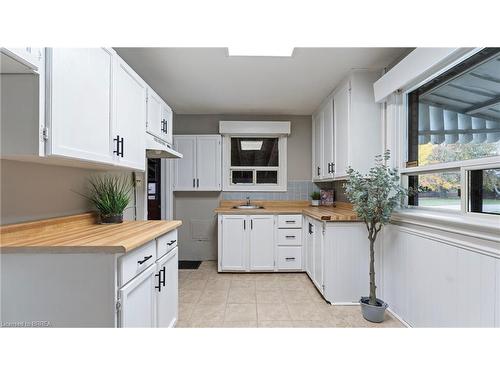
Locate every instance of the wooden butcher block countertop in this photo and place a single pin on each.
(81, 233)
(341, 212)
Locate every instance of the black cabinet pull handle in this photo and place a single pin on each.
(197, 182)
(251, 224)
(117, 140)
(194, 182)
(291, 258)
(310, 228)
(171, 242)
(290, 221)
(289, 236)
(244, 225)
(159, 281)
(121, 153)
(319, 171)
(162, 280)
(145, 259)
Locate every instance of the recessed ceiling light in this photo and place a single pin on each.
(261, 51)
(251, 145)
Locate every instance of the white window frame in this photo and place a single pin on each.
(461, 166)
(227, 185)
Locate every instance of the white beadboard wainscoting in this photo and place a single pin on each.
(436, 278)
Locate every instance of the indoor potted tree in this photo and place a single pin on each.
(374, 197)
(110, 195)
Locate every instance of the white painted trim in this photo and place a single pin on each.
(493, 250)
(479, 163)
(420, 63)
(402, 321)
(254, 128)
(281, 186)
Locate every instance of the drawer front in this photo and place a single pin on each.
(136, 261)
(290, 221)
(166, 243)
(289, 257)
(289, 237)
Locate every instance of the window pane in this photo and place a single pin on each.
(484, 186)
(242, 177)
(254, 152)
(437, 190)
(457, 115)
(267, 177)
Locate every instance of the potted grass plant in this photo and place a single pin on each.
(315, 198)
(110, 195)
(374, 197)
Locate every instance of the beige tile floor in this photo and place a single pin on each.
(211, 299)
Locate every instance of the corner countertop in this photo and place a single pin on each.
(81, 233)
(340, 212)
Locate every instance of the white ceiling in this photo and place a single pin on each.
(208, 81)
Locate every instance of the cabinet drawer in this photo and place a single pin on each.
(136, 261)
(289, 237)
(289, 257)
(290, 221)
(166, 243)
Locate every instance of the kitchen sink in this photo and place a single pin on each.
(248, 207)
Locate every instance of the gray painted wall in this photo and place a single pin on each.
(189, 206)
(34, 191)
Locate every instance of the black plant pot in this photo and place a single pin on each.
(112, 219)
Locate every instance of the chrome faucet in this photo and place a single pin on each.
(248, 201)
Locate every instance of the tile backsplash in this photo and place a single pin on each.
(296, 190)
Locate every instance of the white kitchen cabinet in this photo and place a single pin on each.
(85, 108)
(317, 145)
(168, 290)
(160, 117)
(137, 300)
(323, 145)
(358, 123)
(309, 248)
(318, 265)
(129, 125)
(261, 243)
(79, 103)
(347, 128)
(233, 243)
(200, 167)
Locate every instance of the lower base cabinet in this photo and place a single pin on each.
(92, 289)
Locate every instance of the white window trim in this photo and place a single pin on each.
(400, 135)
(282, 165)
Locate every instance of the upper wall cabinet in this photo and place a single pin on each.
(85, 108)
(130, 117)
(200, 167)
(347, 128)
(160, 117)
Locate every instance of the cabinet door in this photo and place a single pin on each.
(154, 124)
(328, 145)
(80, 103)
(310, 249)
(168, 118)
(318, 145)
(129, 125)
(318, 256)
(185, 168)
(341, 112)
(234, 243)
(167, 296)
(208, 163)
(137, 300)
(262, 243)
